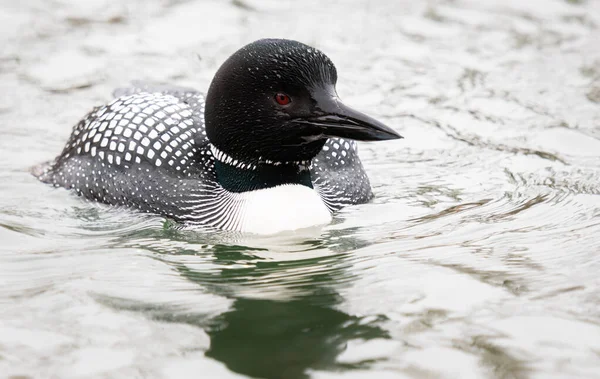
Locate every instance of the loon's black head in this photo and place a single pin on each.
(275, 100)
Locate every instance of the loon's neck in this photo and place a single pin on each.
(240, 176)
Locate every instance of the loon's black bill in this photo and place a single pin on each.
(339, 120)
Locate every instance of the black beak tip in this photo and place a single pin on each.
(382, 132)
(395, 135)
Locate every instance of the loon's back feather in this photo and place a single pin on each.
(148, 149)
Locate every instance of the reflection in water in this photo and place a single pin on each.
(280, 338)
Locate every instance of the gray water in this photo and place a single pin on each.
(478, 258)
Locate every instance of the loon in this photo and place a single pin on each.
(270, 148)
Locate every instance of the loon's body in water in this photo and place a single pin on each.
(271, 149)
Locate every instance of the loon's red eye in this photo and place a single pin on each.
(282, 99)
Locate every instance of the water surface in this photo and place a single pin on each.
(478, 258)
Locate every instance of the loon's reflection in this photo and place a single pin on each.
(285, 318)
(267, 337)
(274, 339)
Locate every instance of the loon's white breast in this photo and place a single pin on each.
(277, 209)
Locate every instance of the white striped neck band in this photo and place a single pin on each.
(244, 165)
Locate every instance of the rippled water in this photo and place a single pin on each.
(479, 257)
